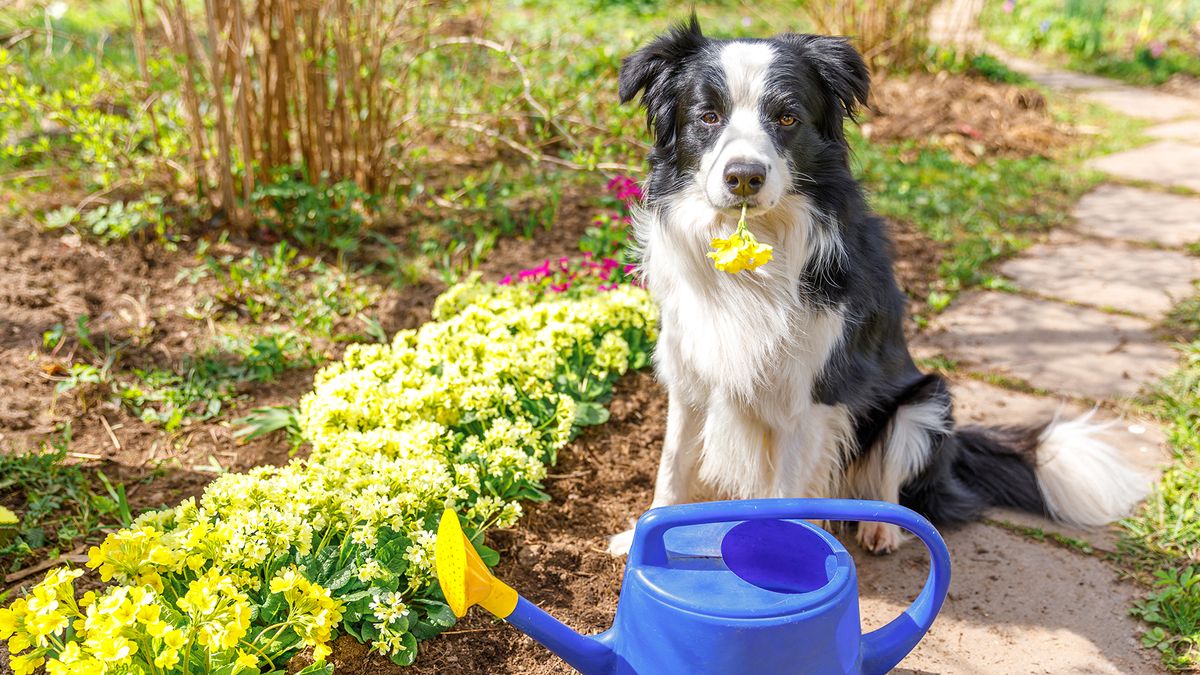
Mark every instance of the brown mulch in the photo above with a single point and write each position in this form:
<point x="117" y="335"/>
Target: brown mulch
<point x="971" y="117"/>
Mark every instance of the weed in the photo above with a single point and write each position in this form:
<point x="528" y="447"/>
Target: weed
<point x="313" y="215"/>
<point x="1163" y="538"/>
<point x="1173" y="609"/>
<point x="55" y="502"/>
<point x="268" y="420"/>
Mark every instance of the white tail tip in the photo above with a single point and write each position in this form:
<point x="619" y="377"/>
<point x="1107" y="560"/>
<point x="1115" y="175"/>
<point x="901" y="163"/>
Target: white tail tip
<point x="1084" y="480"/>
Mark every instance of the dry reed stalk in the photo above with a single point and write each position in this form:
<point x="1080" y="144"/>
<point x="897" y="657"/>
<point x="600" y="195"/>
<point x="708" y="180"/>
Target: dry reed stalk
<point x="276" y="84"/>
<point x="889" y="33"/>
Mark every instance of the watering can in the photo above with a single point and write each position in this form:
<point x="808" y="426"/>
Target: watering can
<point x="722" y="587"/>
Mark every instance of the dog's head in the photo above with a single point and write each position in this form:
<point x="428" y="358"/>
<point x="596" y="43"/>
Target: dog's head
<point x="745" y="120"/>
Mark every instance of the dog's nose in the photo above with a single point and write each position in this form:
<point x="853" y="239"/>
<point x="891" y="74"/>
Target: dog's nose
<point x="745" y="178"/>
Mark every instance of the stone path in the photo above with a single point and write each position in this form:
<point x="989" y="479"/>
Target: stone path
<point x="1079" y="330"/>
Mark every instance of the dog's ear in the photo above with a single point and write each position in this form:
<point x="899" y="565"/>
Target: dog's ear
<point x="841" y="70"/>
<point x="649" y="71"/>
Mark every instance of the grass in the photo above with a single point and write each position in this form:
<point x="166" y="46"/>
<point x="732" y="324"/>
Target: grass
<point x="1161" y="544"/>
<point x="56" y="503"/>
<point x="1142" y="42"/>
<point x="988" y="211"/>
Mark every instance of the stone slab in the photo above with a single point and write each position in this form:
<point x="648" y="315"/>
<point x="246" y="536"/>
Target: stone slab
<point x="1186" y="130"/>
<point x="1145" y="103"/>
<point x="1142" y="281"/>
<point x="1015" y="606"/>
<point x="1169" y="163"/>
<point x="1057" y="347"/>
<point x="1134" y="214"/>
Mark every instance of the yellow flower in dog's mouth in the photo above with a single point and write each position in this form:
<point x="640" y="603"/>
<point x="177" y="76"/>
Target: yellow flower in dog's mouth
<point x="740" y="251"/>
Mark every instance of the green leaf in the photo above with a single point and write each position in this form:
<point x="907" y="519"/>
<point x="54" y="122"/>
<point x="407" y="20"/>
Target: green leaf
<point x="440" y="614"/>
<point x="489" y="556"/>
<point x="318" y="668"/>
<point x="406" y="656"/>
<point x="391" y="555"/>
<point x="340" y="578"/>
<point x="588" y="413"/>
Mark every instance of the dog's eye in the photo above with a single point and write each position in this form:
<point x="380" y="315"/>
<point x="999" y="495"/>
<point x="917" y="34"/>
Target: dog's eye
<point x="787" y="120"/>
<point x="710" y="118"/>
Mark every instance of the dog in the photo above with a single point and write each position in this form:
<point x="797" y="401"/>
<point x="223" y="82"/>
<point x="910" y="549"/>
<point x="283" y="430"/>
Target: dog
<point x="795" y="379"/>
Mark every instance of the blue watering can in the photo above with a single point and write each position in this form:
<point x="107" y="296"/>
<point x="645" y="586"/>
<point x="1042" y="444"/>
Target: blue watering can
<point x="722" y="587"/>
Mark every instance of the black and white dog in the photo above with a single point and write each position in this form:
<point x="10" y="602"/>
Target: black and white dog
<point x="795" y="379"/>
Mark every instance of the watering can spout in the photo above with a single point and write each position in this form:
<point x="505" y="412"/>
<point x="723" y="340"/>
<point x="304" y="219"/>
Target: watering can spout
<point x="465" y="581"/>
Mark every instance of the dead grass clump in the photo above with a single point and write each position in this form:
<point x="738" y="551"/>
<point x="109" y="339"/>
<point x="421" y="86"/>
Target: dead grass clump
<point x="971" y="117"/>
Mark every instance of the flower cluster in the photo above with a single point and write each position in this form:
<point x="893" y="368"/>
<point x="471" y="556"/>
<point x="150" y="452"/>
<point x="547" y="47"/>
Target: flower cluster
<point x="740" y="251"/>
<point x="564" y="274"/>
<point x="467" y="411"/>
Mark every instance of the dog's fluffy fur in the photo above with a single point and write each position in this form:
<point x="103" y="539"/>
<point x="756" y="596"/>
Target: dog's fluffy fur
<point x="795" y="380"/>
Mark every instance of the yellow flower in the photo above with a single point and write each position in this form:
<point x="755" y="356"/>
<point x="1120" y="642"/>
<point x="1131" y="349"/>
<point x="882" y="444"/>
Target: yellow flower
<point x="111" y="648"/>
<point x="174" y="638"/>
<point x="244" y="660"/>
<point x="8" y="623"/>
<point x="25" y="664"/>
<point x="740" y="251"/>
<point x="167" y="659"/>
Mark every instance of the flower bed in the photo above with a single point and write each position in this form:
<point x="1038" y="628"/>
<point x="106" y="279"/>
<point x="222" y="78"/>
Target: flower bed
<point x="466" y="412"/>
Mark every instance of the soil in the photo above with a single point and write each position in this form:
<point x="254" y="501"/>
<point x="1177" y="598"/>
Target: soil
<point x="970" y="116"/>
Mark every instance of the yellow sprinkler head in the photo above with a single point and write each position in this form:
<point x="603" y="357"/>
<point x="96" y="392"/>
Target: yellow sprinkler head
<point x="464" y="579"/>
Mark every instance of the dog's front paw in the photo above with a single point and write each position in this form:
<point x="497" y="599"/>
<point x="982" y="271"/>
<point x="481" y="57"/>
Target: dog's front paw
<point x="619" y="544"/>
<point x="879" y="538"/>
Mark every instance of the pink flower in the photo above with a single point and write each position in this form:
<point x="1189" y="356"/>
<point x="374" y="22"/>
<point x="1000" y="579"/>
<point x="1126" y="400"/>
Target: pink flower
<point x="559" y="288"/>
<point x="506" y="280"/>
<point x="1157" y="49"/>
<point x="1009" y="6"/>
<point x="625" y="189"/>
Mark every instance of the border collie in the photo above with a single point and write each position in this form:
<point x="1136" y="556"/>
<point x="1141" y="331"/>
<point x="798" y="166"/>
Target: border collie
<point x="795" y="379"/>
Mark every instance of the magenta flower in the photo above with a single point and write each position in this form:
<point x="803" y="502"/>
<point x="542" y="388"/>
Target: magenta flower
<point x="1157" y="49"/>
<point x="626" y="189"/>
<point x="506" y="280"/>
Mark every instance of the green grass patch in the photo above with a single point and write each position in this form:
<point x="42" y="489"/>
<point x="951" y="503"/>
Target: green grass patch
<point x="1143" y="42"/>
<point x="1160" y="545"/>
<point x="55" y="504"/>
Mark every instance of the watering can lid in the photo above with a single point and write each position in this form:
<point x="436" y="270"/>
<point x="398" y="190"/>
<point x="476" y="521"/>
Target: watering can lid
<point x="751" y="570"/>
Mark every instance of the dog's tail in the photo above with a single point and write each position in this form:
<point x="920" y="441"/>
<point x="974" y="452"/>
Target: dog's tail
<point x="1060" y="469"/>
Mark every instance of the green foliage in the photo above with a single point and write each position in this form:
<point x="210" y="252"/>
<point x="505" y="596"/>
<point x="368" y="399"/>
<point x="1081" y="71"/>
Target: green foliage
<point x="312" y="213"/>
<point x="115" y="221"/>
<point x="982" y="64"/>
<point x="97" y="126"/>
<point x="1164" y="536"/>
<point x="268" y="420"/>
<point x="282" y="286"/>
<point x="202" y="387"/>
<point x="55" y="502"/>
<point x="1173" y="609"/>
<point x="1140" y="42"/>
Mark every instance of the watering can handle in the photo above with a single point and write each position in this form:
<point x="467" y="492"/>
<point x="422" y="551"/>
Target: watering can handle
<point x="882" y="649"/>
